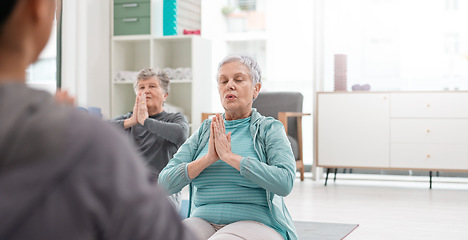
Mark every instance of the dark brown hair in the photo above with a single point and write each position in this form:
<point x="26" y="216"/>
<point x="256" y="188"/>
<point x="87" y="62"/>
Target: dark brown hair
<point x="6" y="8"/>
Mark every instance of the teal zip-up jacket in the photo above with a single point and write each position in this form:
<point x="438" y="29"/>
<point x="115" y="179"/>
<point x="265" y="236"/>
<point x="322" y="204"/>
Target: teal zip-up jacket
<point x="276" y="176"/>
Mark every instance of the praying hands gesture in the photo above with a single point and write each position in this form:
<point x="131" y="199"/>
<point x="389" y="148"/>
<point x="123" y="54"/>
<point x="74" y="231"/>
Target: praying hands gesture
<point x="140" y="111"/>
<point x="222" y="141"/>
<point x="219" y="147"/>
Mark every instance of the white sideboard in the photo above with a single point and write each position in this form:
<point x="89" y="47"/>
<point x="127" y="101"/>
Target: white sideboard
<point x="393" y="130"/>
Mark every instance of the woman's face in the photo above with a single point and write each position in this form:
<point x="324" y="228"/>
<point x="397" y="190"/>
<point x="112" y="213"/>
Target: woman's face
<point x="155" y="95"/>
<point x="236" y="90"/>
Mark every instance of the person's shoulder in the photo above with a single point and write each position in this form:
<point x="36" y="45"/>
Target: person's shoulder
<point x="91" y="128"/>
<point x="176" y="115"/>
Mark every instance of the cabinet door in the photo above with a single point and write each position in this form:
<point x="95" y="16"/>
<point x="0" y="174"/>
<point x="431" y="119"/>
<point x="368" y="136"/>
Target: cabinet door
<point x="353" y="129"/>
<point x="429" y="156"/>
<point x="430" y="105"/>
<point x="437" y="131"/>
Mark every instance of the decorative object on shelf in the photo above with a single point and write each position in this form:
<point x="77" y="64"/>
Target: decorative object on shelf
<point x="364" y="87"/>
<point x="179" y="73"/>
<point x="227" y="10"/>
<point x="189" y="15"/>
<point x="194" y="32"/>
<point x="170" y="17"/>
<point x="125" y="76"/>
<point x="340" y="72"/>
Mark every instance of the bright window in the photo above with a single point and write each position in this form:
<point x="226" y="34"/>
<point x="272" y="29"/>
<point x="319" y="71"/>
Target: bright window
<point x="43" y="73"/>
<point x="398" y="45"/>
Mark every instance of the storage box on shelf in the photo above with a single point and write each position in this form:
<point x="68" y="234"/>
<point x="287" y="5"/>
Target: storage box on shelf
<point x="132" y="17"/>
<point x="155" y="17"/>
<point x="393" y="130"/>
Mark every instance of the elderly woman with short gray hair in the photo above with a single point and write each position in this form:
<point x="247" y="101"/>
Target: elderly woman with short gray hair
<point x="239" y="165"/>
<point x="157" y="133"/>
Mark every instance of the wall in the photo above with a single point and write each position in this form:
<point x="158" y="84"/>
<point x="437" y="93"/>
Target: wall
<point x="86" y="52"/>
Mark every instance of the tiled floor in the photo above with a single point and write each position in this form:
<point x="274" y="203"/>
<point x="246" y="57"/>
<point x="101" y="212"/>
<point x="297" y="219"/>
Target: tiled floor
<point x="389" y="208"/>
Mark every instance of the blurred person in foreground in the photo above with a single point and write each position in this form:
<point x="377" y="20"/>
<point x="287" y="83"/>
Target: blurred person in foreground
<point x="156" y="133"/>
<point x="239" y="165"/>
<point x="63" y="174"/>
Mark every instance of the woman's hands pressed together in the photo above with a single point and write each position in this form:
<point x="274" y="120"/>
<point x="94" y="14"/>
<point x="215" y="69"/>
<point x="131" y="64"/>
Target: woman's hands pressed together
<point x="219" y="147"/>
<point x="140" y="111"/>
<point x="222" y="142"/>
<point x="142" y="114"/>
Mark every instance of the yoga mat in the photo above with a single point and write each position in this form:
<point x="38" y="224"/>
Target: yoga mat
<point x="323" y="230"/>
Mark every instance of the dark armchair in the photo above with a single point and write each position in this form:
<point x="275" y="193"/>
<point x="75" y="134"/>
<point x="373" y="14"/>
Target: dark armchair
<point x="283" y="106"/>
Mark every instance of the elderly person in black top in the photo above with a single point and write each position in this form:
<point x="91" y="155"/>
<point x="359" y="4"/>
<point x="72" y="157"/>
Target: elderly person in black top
<point x="157" y="133"/>
<point x="64" y="174"/>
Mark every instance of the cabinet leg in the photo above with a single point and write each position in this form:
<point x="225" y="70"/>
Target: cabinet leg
<point x="326" y="177"/>
<point x="430" y="179"/>
<point x="336" y="171"/>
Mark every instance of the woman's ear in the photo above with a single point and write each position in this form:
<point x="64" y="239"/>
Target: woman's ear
<point x="257" y="88"/>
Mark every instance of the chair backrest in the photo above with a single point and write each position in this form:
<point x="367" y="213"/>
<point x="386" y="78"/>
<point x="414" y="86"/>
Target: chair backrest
<point x="270" y="103"/>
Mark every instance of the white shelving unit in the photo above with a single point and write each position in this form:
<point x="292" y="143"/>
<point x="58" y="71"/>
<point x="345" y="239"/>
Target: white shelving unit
<point x="135" y="52"/>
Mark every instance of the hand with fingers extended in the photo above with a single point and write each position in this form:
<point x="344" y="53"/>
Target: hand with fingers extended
<point x="212" y="155"/>
<point x="222" y="141"/>
<point x="132" y="121"/>
<point x="62" y="96"/>
<point x="142" y="108"/>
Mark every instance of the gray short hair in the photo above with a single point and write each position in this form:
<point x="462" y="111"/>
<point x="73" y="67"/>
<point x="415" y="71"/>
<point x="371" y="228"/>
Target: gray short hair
<point x="250" y="63"/>
<point x="147" y="73"/>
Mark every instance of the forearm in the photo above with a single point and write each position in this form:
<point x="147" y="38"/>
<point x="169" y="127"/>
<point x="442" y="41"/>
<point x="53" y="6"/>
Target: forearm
<point x="174" y="177"/>
<point x="130" y="122"/>
<point x="276" y="179"/>
<point x="120" y="120"/>
<point x="232" y="159"/>
<point x="196" y="167"/>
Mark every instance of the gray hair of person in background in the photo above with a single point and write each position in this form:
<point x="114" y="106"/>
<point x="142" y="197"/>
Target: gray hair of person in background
<point x="250" y="63"/>
<point x="147" y="73"/>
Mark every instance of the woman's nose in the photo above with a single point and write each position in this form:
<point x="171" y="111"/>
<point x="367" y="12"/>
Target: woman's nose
<point x="230" y="84"/>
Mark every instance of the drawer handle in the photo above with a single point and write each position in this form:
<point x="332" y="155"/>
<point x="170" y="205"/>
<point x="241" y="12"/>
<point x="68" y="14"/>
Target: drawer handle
<point x="130" y="20"/>
<point x="129" y="5"/>
<point x="428" y="130"/>
<point x="428" y="156"/>
<point x="428" y="105"/>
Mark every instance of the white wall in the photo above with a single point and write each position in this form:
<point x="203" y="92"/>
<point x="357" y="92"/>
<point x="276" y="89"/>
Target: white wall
<point x="86" y="52"/>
